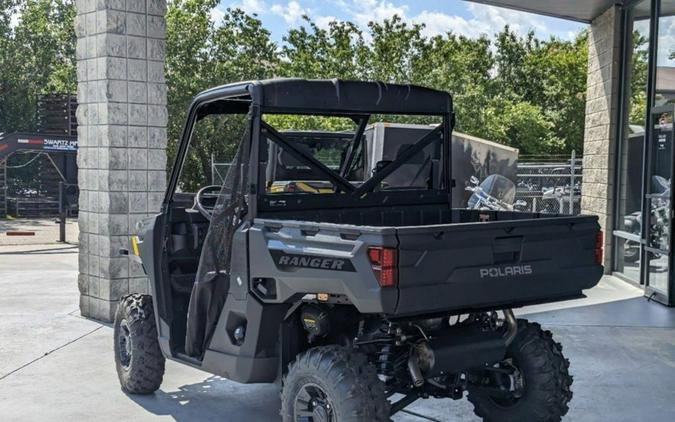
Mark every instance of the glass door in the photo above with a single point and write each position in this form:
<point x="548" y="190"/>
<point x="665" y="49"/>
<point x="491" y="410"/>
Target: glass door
<point x="631" y="148"/>
<point x="658" y="239"/>
<point x="658" y="182"/>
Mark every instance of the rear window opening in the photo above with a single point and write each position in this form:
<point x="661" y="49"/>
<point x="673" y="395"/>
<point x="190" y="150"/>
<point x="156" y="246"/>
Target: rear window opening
<point x="317" y="154"/>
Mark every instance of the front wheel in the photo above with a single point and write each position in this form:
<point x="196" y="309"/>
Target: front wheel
<point x="138" y="359"/>
<point x="531" y="384"/>
<point x="333" y="384"/>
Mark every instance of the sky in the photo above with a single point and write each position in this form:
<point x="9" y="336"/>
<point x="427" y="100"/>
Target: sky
<point x="440" y="16"/>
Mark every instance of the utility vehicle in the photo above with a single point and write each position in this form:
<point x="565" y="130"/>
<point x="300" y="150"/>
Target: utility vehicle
<point x="361" y="298"/>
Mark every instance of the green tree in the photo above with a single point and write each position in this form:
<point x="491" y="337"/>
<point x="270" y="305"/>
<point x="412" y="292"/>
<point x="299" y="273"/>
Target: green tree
<point x="518" y="90"/>
<point x="202" y="54"/>
<point x="544" y="80"/>
<point x="397" y="51"/>
<point x="638" y="79"/>
<point x="36" y="57"/>
<point x="312" y="52"/>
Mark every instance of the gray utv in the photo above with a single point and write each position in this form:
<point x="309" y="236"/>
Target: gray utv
<point x="363" y="291"/>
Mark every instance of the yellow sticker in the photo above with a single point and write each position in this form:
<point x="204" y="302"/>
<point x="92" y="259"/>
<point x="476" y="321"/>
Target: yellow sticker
<point x="134" y="245"/>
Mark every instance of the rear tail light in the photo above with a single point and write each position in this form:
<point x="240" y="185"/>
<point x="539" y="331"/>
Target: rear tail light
<point x="599" y="244"/>
<point x="384" y="262"/>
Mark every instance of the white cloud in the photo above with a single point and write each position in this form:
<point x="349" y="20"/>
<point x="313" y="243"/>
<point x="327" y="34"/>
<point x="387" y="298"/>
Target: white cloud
<point x="291" y="13"/>
<point x="498" y="17"/>
<point x="484" y="20"/>
<point x="251" y="6"/>
<point x="666" y="43"/>
<point x="364" y="11"/>
<point x="323" y="22"/>
<point x="14" y="19"/>
<point x="437" y="23"/>
<point x="217" y="15"/>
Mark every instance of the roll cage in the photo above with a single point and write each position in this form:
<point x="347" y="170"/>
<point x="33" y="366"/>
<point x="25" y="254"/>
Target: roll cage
<point x="331" y="98"/>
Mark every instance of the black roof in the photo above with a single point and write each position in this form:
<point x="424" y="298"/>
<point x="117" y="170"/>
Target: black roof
<point x="334" y="96"/>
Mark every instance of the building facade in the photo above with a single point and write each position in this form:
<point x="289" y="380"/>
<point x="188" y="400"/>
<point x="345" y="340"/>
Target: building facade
<point x="628" y="151"/>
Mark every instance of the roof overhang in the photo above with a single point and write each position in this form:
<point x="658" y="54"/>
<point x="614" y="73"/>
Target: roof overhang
<point x="575" y="10"/>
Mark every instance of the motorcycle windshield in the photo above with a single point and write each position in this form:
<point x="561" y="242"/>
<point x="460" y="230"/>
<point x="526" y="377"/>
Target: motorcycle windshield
<point x="499" y="187"/>
<point x="660" y="185"/>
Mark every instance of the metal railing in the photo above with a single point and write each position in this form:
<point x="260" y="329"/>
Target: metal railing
<point x="68" y="206"/>
<point x="548" y="186"/>
<point x="218" y="171"/>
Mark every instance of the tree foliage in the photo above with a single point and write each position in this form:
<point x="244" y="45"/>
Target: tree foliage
<point x="202" y="54"/>
<point x="36" y="57"/>
<point x="517" y="90"/>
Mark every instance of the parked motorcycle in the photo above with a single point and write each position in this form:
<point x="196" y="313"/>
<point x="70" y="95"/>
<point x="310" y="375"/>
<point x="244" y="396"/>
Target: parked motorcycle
<point x="660" y="221"/>
<point x="555" y="198"/>
<point x="496" y="193"/>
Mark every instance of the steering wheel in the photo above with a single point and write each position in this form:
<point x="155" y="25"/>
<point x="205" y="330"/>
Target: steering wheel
<point x="205" y="200"/>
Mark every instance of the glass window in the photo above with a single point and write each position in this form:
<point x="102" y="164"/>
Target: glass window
<point x="632" y="144"/>
<point x="665" y="56"/>
<point x="661" y="144"/>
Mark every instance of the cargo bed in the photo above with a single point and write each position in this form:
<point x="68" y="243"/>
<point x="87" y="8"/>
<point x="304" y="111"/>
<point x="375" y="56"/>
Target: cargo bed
<point x="478" y="265"/>
<point x="448" y="260"/>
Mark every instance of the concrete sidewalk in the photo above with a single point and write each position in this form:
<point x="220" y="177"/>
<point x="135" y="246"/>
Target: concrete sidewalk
<point x="56" y="365"/>
<point x="45" y="231"/>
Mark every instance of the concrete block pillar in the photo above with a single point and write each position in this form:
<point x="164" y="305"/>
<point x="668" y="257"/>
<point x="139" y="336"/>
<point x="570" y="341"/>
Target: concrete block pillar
<point x="602" y="103"/>
<point x="122" y="119"/>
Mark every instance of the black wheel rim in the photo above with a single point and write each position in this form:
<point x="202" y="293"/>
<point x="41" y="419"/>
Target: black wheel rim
<point x="312" y="405"/>
<point x="124" y="343"/>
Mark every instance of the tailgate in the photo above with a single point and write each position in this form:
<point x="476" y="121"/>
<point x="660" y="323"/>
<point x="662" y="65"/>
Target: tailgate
<point x="496" y="264"/>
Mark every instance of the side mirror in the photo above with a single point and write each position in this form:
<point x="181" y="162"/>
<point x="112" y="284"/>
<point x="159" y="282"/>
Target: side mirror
<point x="474" y="180"/>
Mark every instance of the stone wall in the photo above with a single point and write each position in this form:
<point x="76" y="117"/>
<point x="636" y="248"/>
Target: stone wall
<point x="602" y="102"/>
<point x="122" y="121"/>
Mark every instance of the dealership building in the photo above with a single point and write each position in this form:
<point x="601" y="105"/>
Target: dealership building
<point x="628" y="154"/>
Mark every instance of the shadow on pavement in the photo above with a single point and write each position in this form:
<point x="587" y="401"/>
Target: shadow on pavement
<point x="215" y="398"/>
<point x="35" y="223"/>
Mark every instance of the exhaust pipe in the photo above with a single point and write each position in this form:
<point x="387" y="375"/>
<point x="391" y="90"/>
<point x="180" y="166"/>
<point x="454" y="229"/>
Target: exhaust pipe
<point x="462" y="350"/>
<point x="511" y="327"/>
<point x="414" y="369"/>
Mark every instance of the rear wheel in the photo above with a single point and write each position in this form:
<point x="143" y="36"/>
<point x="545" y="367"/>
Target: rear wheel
<point x="531" y="384"/>
<point x="138" y="359"/>
<point x="631" y="252"/>
<point x="333" y="384"/>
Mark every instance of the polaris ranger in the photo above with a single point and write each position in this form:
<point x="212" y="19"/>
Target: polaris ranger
<point x="361" y="298"/>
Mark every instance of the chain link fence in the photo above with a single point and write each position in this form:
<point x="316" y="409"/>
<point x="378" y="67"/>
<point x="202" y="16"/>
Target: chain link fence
<point x="218" y="171"/>
<point x="550" y="184"/>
